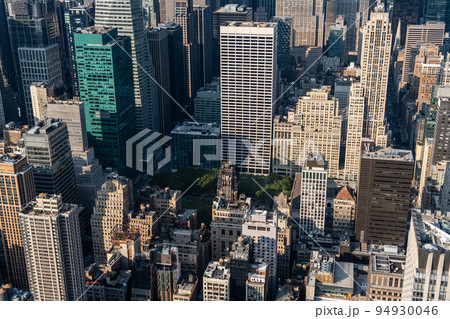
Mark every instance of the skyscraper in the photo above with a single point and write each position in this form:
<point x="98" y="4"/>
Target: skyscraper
<point x="355" y="122"/>
<point x="88" y="171"/>
<point x="16" y="179"/>
<point x="426" y="33"/>
<point x="426" y="267"/>
<point x="48" y="150"/>
<point x="247" y="96"/>
<point x="317" y="130"/>
<point x="184" y="16"/>
<point x="49" y="223"/>
<point x="114" y="198"/>
<point x="313" y="201"/>
<point x="356" y="14"/>
<point x="203" y="39"/>
<point x="176" y="69"/>
<point x="158" y="39"/>
<point x="108" y="99"/>
<point x="441" y="147"/>
<point x="284" y="44"/>
<point x="438" y="11"/>
<point x="36" y="65"/>
<point x="308" y="21"/>
<point x="383" y="196"/>
<point x="406" y="12"/>
<point x="375" y="58"/>
<point x="230" y="12"/>
<point x="127" y="17"/>
<point x="30" y="25"/>
<point x="76" y="18"/>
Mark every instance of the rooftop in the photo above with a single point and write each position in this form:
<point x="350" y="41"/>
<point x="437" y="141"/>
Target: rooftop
<point x="246" y="24"/>
<point x="202" y="129"/>
<point x="432" y="229"/>
<point x="388" y="264"/>
<point x="45" y="127"/>
<point x="390" y="154"/>
<point x="218" y="270"/>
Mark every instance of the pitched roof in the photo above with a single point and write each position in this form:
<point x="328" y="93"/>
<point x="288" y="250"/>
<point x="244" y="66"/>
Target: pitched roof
<point x="345" y="194"/>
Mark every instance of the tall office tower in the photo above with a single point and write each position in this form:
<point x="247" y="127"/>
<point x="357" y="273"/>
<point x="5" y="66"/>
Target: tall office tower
<point x="38" y="65"/>
<point x="406" y="12"/>
<point x="247" y="106"/>
<point x="313" y="201"/>
<point x="31" y="25"/>
<point x="308" y="21"/>
<point x="230" y="12"/>
<point x="355" y="122"/>
<point x="203" y="39"/>
<point x="344" y="209"/>
<point x="383" y="196"/>
<point x="376" y="54"/>
<point x="262" y="227"/>
<point x="184" y="16"/>
<point x="356" y="14"/>
<point x="284" y="44"/>
<point x="207" y="103"/>
<point x="5" y="44"/>
<point x="335" y="41"/>
<point x="101" y="51"/>
<point x="88" y="171"/>
<point x="226" y="224"/>
<point x="240" y="259"/>
<point x="16" y="178"/>
<point x="317" y="129"/>
<point x="55" y="273"/>
<point x="167" y="271"/>
<point x="127" y="17"/>
<point x="114" y="198"/>
<point x="438" y="11"/>
<point x="427" y="258"/>
<point x="76" y="19"/>
<point x="426" y="33"/>
<point x="228" y="183"/>
<point x="330" y="18"/>
<point x="445" y="190"/>
<point x="441" y="147"/>
<point x="158" y="39"/>
<point x="48" y="150"/>
<point x="426" y="71"/>
<point x="152" y="9"/>
<point x="216" y="281"/>
<point x="176" y="68"/>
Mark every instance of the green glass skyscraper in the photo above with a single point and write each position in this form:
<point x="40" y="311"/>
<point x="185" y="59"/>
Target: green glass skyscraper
<point x="105" y="78"/>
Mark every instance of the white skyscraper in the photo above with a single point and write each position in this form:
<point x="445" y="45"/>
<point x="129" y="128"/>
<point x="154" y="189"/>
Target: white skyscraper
<point x="376" y="54"/>
<point x="127" y="17"/>
<point x="248" y="63"/>
<point x="313" y="200"/>
<point x="52" y="245"/>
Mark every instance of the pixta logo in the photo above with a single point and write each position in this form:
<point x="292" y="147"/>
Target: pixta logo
<point x="148" y="152"/>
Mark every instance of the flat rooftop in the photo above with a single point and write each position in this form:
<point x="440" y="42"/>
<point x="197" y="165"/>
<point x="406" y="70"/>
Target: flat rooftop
<point x="388" y="264"/>
<point x="390" y="154"/>
<point x="218" y="270"/>
<point x="246" y="24"/>
<point x="432" y="229"/>
<point x="202" y="129"/>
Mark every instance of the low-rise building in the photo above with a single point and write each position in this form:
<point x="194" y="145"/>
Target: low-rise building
<point x="216" y="281"/>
